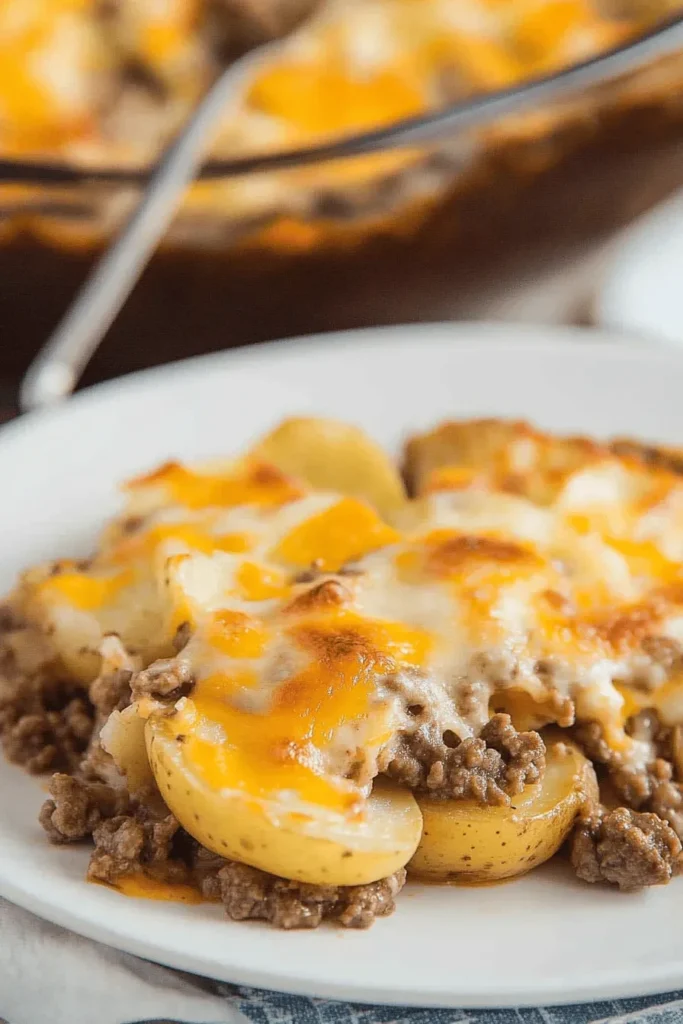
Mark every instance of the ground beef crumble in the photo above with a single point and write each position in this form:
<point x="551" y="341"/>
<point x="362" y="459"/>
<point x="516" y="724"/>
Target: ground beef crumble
<point x="626" y="848"/>
<point x="45" y="721"/>
<point x="250" y="894"/>
<point x="653" y="788"/>
<point x="166" y="680"/>
<point x="48" y="723"/>
<point x="110" y="691"/>
<point x="137" y="842"/>
<point x="134" y="838"/>
<point x="76" y="807"/>
<point x="491" y="768"/>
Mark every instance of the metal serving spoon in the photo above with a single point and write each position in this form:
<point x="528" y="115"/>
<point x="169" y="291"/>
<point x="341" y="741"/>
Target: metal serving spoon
<point x="55" y="371"/>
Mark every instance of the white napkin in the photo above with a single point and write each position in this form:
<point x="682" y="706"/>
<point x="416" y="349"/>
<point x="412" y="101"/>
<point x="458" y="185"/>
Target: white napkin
<point x="51" y="976"/>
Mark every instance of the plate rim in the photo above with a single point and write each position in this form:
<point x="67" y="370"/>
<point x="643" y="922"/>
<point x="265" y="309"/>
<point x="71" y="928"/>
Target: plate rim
<point x="659" y="981"/>
<point x="562" y="337"/>
<point x="466" y="336"/>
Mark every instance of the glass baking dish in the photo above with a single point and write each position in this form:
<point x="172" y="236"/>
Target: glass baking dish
<point x="372" y="228"/>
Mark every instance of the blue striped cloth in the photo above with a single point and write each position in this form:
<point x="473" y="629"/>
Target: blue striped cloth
<point x="262" y="1007"/>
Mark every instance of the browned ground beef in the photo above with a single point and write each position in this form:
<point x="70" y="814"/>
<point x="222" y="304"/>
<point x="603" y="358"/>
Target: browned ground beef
<point x="589" y="736"/>
<point x="250" y="894"/>
<point x="491" y="768"/>
<point x="129" y="839"/>
<point x="165" y="680"/>
<point x="77" y="807"/>
<point x="45" y="720"/>
<point x="654" y="788"/>
<point x="110" y="692"/>
<point x="629" y="849"/>
<point x="138" y="842"/>
<point x="41" y="735"/>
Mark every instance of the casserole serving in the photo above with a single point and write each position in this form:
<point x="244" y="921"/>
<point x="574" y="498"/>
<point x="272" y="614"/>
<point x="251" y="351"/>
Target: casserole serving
<point x="281" y="681"/>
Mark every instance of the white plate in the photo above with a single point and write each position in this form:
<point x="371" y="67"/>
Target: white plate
<point x="544" y="939"/>
<point x="642" y="291"/>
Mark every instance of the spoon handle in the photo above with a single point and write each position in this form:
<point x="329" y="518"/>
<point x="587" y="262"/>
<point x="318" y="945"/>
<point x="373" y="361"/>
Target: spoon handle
<point x="55" y="371"/>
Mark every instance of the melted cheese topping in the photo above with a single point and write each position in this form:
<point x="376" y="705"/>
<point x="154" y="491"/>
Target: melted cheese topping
<point x="541" y="582"/>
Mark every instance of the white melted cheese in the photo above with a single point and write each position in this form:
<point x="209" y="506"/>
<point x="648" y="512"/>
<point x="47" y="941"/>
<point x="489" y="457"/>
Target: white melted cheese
<point x="484" y="594"/>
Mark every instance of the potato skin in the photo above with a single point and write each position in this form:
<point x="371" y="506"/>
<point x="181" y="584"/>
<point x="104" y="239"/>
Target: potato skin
<point x="463" y="841"/>
<point x="266" y="836"/>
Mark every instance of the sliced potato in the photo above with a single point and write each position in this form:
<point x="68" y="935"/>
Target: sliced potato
<point x="123" y="736"/>
<point x="292" y="845"/>
<point x="465" y="841"/>
<point x="334" y="456"/>
<point x="463" y="444"/>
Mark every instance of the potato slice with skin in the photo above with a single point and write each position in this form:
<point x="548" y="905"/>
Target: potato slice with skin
<point x="463" y="841"/>
<point x="333" y="456"/>
<point x="269" y="837"/>
<point x="123" y="737"/>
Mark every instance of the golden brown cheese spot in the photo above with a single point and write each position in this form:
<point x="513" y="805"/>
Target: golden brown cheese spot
<point x="346" y="531"/>
<point x="558" y="603"/>
<point x="624" y="629"/>
<point x="260" y="485"/>
<point x="318" y="700"/>
<point x="349" y="636"/>
<point x="615" y="631"/>
<point x="331" y="641"/>
<point x="285" y="747"/>
<point x="85" y="592"/>
<point x="260" y="582"/>
<point x="326" y="595"/>
<point x="450" y="554"/>
<point x="478" y="567"/>
<point x="237" y="635"/>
